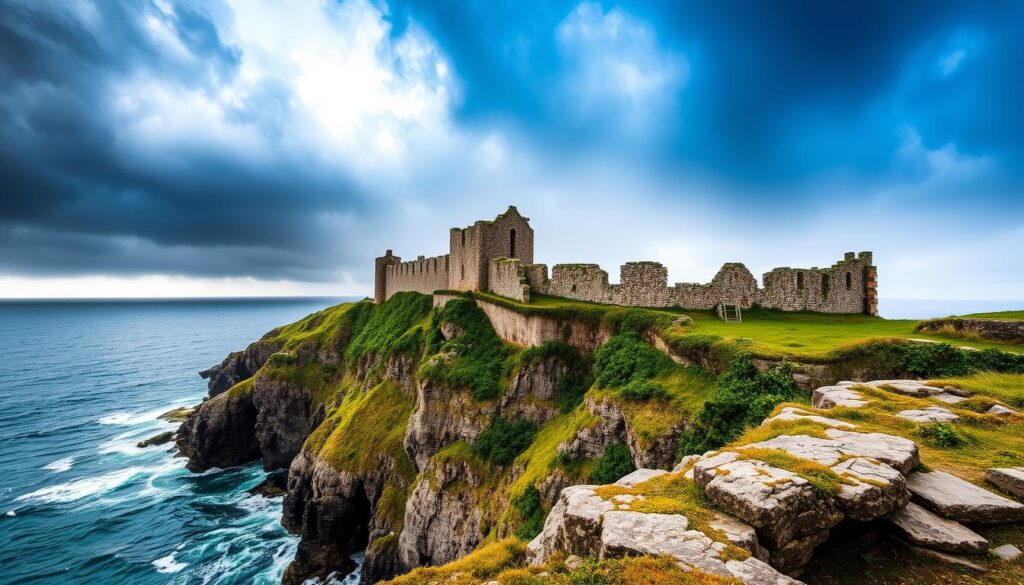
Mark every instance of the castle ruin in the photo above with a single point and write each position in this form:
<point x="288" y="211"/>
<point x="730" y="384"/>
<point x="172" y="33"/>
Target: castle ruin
<point x="497" y="256"/>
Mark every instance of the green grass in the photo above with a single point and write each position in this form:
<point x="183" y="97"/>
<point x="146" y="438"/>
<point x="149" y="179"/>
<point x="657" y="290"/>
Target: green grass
<point x="815" y="335"/>
<point x="1000" y="315"/>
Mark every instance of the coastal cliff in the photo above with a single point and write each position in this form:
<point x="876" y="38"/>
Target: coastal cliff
<point x="423" y="429"/>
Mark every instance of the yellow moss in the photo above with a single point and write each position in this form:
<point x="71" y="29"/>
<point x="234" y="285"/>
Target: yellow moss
<point x="240" y="389"/>
<point x="818" y="475"/>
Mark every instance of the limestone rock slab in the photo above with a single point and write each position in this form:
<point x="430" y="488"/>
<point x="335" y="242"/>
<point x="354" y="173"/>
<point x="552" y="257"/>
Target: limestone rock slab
<point x="1009" y="479"/>
<point x="791" y="413"/>
<point x="639" y="476"/>
<point x="1007" y="552"/>
<point x="923" y="528"/>
<point x="1000" y="410"/>
<point x="954" y="498"/>
<point x="930" y="414"/>
<point x="834" y="396"/>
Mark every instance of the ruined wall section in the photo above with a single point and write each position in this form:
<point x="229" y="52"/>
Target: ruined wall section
<point x="507" y="278"/>
<point x="423" y="275"/>
<point x="472" y="248"/>
<point x="848" y="286"/>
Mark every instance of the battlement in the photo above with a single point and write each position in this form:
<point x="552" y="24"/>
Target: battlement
<point x="497" y="256"/>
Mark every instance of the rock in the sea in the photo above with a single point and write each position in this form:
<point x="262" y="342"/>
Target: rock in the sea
<point x="954" y="498"/>
<point x="929" y="414"/>
<point x="275" y="484"/>
<point x="158" y="439"/>
<point x="1009" y="479"/>
<point x="221" y="432"/>
<point x="923" y="528"/>
<point x="178" y="415"/>
<point x="1007" y="552"/>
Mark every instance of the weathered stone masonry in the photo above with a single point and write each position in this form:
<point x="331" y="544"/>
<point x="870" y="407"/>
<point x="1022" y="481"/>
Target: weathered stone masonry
<point x="497" y="256"/>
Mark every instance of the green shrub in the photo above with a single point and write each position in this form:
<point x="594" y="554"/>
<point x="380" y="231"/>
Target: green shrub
<point x="281" y="359"/>
<point x="504" y="440"/>
<point x="480" y="354"/>
<point x="532" y="512"/>
<point x="642" y="390"/>
<point x="626" y="357"/>
<point x="943" y="435"/>
<point x="614" y="463"/>
<point x="745" y="396"/>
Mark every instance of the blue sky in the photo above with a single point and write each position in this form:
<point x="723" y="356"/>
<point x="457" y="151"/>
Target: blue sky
<point x="186" y="148"/>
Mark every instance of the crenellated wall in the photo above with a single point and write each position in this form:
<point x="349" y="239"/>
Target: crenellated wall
<point x="846" y="287"/>
<point x="423" y="275"/>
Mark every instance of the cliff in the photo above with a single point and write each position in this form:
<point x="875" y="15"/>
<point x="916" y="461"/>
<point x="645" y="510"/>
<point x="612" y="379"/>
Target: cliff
<point x="423" y="429"/>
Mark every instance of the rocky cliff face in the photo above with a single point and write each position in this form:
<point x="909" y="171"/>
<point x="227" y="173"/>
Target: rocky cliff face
<point x="239" y="365"/>
<point x="222" y="432"/>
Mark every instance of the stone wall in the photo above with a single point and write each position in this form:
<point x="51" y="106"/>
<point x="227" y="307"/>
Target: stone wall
<point x="472" y="248"/>
<point x="846" y="287"/>
<point x="996" y="329"/>
<point x="497" y="256"/>
<point x="534" y="330"/>
<point x="506" y="278"/>
<point x="424" y="275"/>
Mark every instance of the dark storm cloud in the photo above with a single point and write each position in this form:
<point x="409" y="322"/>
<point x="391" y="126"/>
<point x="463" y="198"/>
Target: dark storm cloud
<point x="776" y="90"/>
<point x="74" y="201"/>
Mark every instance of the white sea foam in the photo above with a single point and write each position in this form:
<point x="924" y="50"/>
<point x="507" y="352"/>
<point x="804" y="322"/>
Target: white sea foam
<point x="76" y="490"/>
<point x="60" y="465"/>
<point x="134" y="418"/>
<point x="11" y="513"/>
<point x="168" y="564"/>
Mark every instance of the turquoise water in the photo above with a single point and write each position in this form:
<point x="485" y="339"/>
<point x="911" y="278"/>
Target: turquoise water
<point x="80" y="384"/>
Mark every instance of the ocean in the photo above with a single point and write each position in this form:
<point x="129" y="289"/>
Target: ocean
<point x="80" y="384"/>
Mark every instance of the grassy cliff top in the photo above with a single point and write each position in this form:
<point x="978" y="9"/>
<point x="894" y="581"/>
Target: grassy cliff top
<point x="997" y="315"/>
<point x="767" y="333"/>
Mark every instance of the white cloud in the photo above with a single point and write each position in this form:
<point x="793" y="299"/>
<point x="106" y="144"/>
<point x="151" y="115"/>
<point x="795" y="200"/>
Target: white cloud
<point x="619" y="68"/>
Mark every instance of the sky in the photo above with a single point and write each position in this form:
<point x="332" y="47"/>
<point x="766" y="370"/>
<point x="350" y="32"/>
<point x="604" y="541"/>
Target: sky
<point x="250" y="148"/>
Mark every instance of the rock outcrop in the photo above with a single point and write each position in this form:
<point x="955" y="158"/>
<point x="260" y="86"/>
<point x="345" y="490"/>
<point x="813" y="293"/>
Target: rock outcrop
<point x="221" y="433"/>
<point x="240" y="365"/>
<point x="585" y="524"/>
<point x="923" y="528"/>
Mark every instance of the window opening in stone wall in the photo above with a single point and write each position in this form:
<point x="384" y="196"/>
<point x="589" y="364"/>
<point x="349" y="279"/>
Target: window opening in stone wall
<point x="463" y="237"/>
<point x="849" y="281"/>
<point x="824" y="286"/>
<point x="512" y="243"/>
<point x="462" y="271"/>
<point x="799" y="280"/>
<point x="573" y="289"/>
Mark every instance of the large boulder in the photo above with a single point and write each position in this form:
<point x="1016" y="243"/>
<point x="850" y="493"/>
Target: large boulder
<point x="835" y="396"/>
<point x="585" y="524"/>
<point x="221" y="432"/>
<point x="954" y="498"/>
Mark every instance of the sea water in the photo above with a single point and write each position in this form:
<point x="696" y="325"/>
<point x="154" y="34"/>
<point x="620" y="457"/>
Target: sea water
<point x="80" y="384"/>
